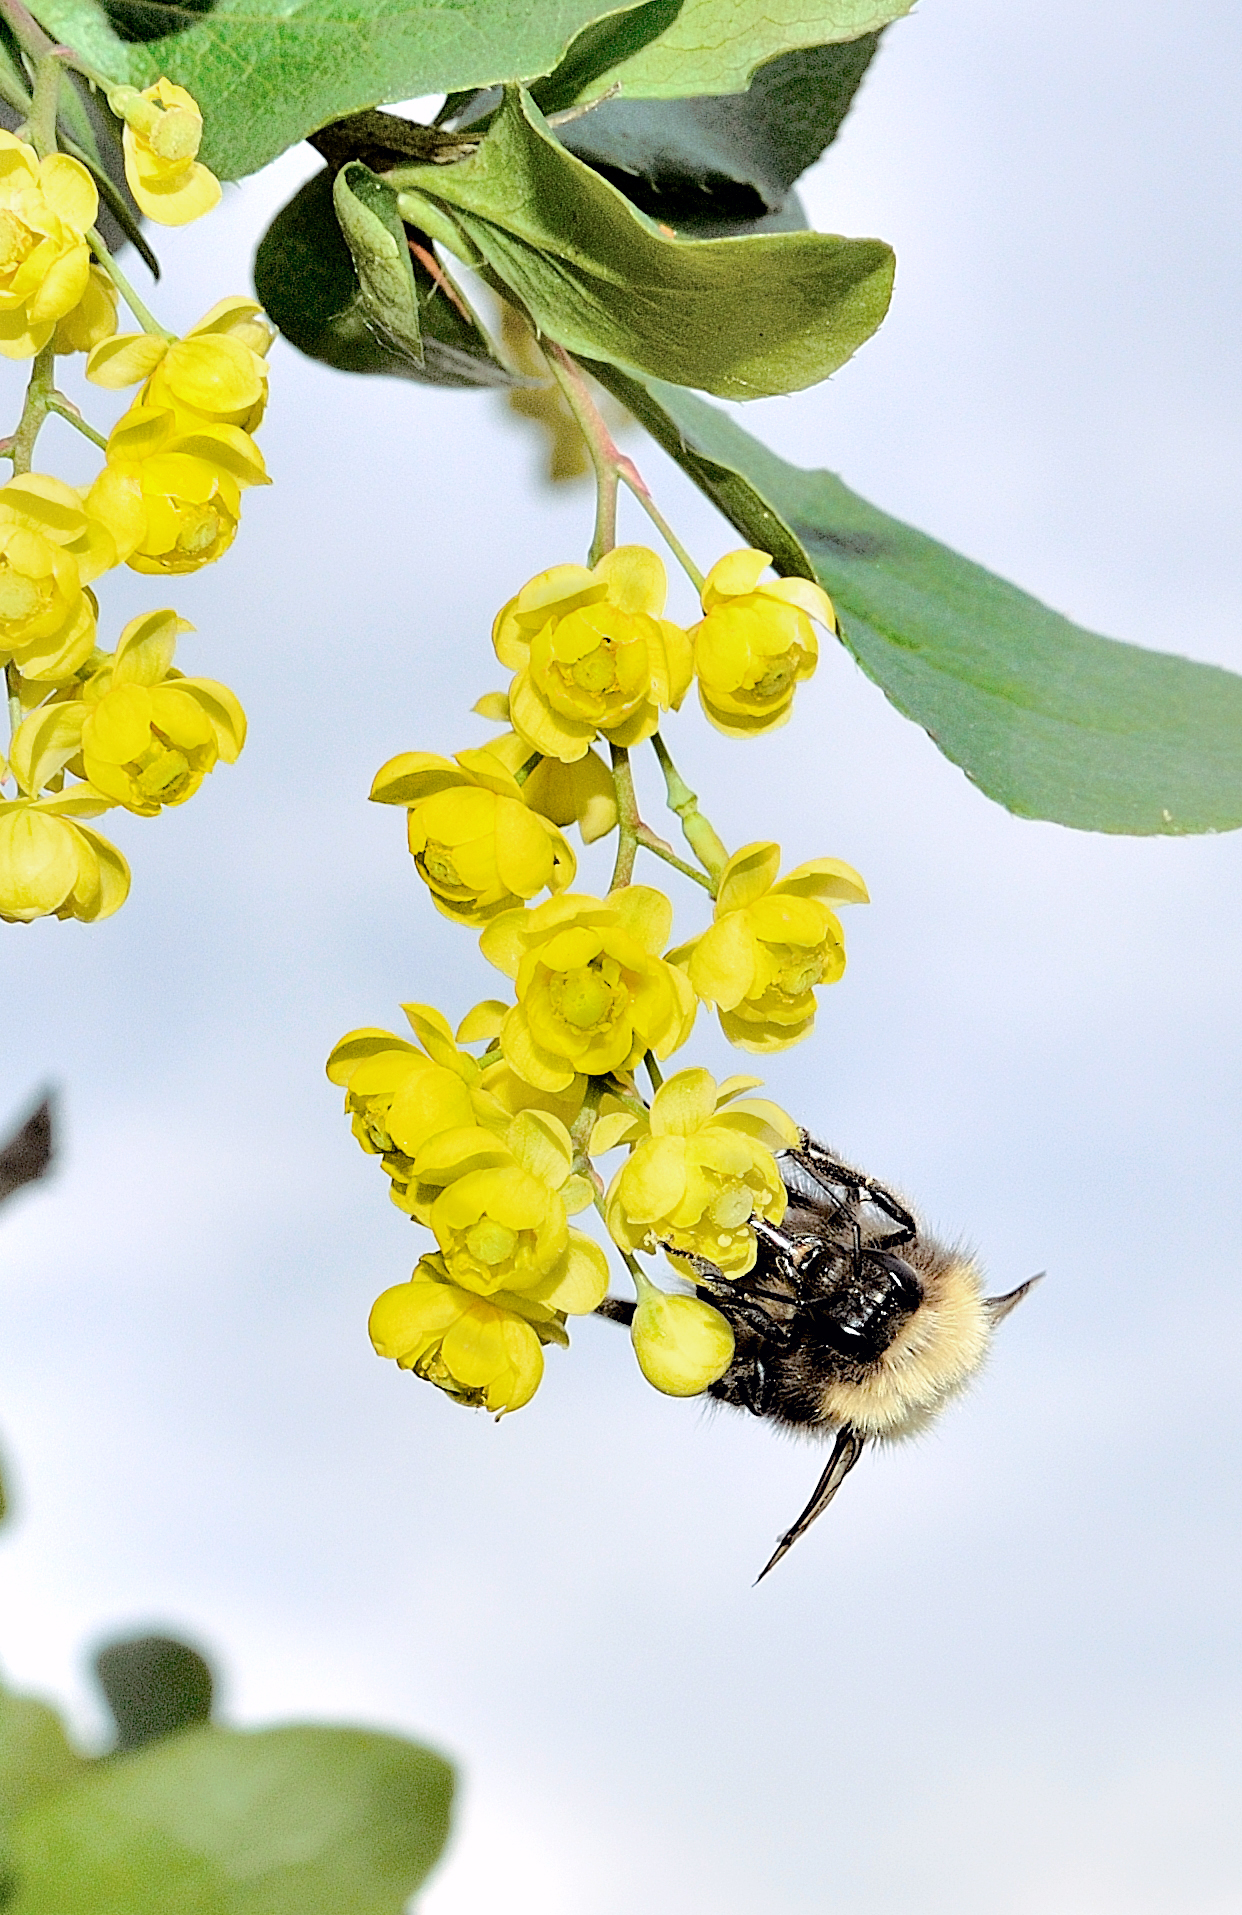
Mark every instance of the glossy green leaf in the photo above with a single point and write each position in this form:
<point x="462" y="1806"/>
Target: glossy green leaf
<point x="294" y="1821"/>
<point x="730" y="157"/>
<point x="304" y="275"/>
<point x="670" y="49"/>
<point x="268" y="72"/>
<point x="1048" y="719"/>
<point x="737" y="317"/>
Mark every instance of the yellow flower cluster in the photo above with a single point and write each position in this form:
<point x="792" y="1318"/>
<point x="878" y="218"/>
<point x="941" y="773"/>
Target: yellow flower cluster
<point x="93" y="730"/>
<point x="492" y="1152"/>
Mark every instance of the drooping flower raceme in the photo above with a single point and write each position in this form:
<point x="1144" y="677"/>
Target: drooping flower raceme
<point x="476" y="843"/>
<point x="756" y="643"/>
<point x="771" y="944"/>
<point x="701" y="1168"/>
<point x="593" y="993"/>
<point x="162" y="134"/>
<point x="592" y="654"/>
<point x="46" y="209"/>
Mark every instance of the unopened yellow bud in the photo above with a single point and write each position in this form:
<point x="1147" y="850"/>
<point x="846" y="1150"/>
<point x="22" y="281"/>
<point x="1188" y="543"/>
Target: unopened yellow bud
<point x="682" y="1344"/>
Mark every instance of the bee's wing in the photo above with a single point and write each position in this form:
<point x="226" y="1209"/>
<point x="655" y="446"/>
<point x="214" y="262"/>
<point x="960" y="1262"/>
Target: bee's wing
<point x="845" y="1453"/>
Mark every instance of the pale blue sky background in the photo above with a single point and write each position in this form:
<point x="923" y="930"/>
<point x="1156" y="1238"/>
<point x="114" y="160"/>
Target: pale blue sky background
<point x="1002" y="1677"/>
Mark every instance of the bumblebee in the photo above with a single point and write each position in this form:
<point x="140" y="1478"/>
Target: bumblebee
<point x="854" y="1323"/>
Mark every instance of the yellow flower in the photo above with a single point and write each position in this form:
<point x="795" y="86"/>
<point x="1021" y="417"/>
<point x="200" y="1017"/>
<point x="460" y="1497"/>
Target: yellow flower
<point x="593" y="994"/>
<point x="484" y="1352"/>
<point x="771" y="944"/>
<point x="701" y="1168"/>
<point x="92" y="320"/>
<point x="216" y="375"/>
<point x="581" y="793"/>
<point x="190" y="479"/>
<point x="682" y="1344"/>
<point x="52" y="866"/>
<point x="46" y="209"/>
<point x="53" y="541"/>
<point x="592" y="654"/>
<point x="755" y="643"/>
<point x="162" y="135"/>
<point x="475" y="842"/>
<point x="141" y="734"/>
<point x="400" y="1095"/>
<point x="501" y="1216"/>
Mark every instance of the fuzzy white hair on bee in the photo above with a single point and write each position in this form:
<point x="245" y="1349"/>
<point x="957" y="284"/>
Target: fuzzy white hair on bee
<point x="854" y="1323"/>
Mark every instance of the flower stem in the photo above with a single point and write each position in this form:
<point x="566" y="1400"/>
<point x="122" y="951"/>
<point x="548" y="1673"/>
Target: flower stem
<point x="628" y="820"/>
<point x="41" y="126"/>
<point x="612" y="467"/>
<point x="146" y="320"/>
<point x="653" y="1070"/>
<point x="27" y="32"/>
<point x="633" y="478"/>
<point x="524" y="770"/>
<point x="65" y="409"/>
<point x="20" y="447"/>
<point x="599" y="443"/>
<point x="12" y="681"/>
<point x="698" y="830"/>
<point x="651" y="841"/>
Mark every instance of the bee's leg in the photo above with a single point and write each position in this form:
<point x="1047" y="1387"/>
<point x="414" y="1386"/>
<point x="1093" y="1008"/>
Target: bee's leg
<point x="827" y="1171"/>
<point x="845" y="1453"/>
<point x="617" y="1309"/>
<point x="747" y="1384"/>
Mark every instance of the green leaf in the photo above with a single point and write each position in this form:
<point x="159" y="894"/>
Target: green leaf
<point x="670" y="49"/>
<point x="155" y="1686"/>
<point x="1048" y="719"/>
<point x="738" y="317"/>
<point x="268" y="72"/>
<point x="304" y="275"/>
<point x="375" y="234"/>
<point x="293" y="1821"/>
<point x="730" y="157"/>
<point x="36" y="1756"/>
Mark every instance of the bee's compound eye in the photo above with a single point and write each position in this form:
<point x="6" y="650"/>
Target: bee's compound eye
<point x="860" y="1315"/>
<point x="903" y="1277"/>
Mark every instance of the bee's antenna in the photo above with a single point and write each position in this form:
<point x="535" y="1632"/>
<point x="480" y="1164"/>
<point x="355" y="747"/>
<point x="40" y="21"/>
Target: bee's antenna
<point x="845" y="1453"/>
<point x="998" y="1308"/>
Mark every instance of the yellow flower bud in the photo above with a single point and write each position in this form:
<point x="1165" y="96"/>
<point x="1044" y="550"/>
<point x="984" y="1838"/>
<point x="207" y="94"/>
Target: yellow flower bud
<point x="756" y="643"/>
<point x="54" y="866"/>
<point x="700" y="1170"/>
<point x="592" y="655"/>
<point x="92" y="320"/>
<point x="771" y="945"/>
<point x="162" y="134"/>
<point x="593" y="995"/>
<point x="46" y="209"/>
<point x="216" y="375"/>
<point x="476" y="843"/>
<point x="682" y="1344"/>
